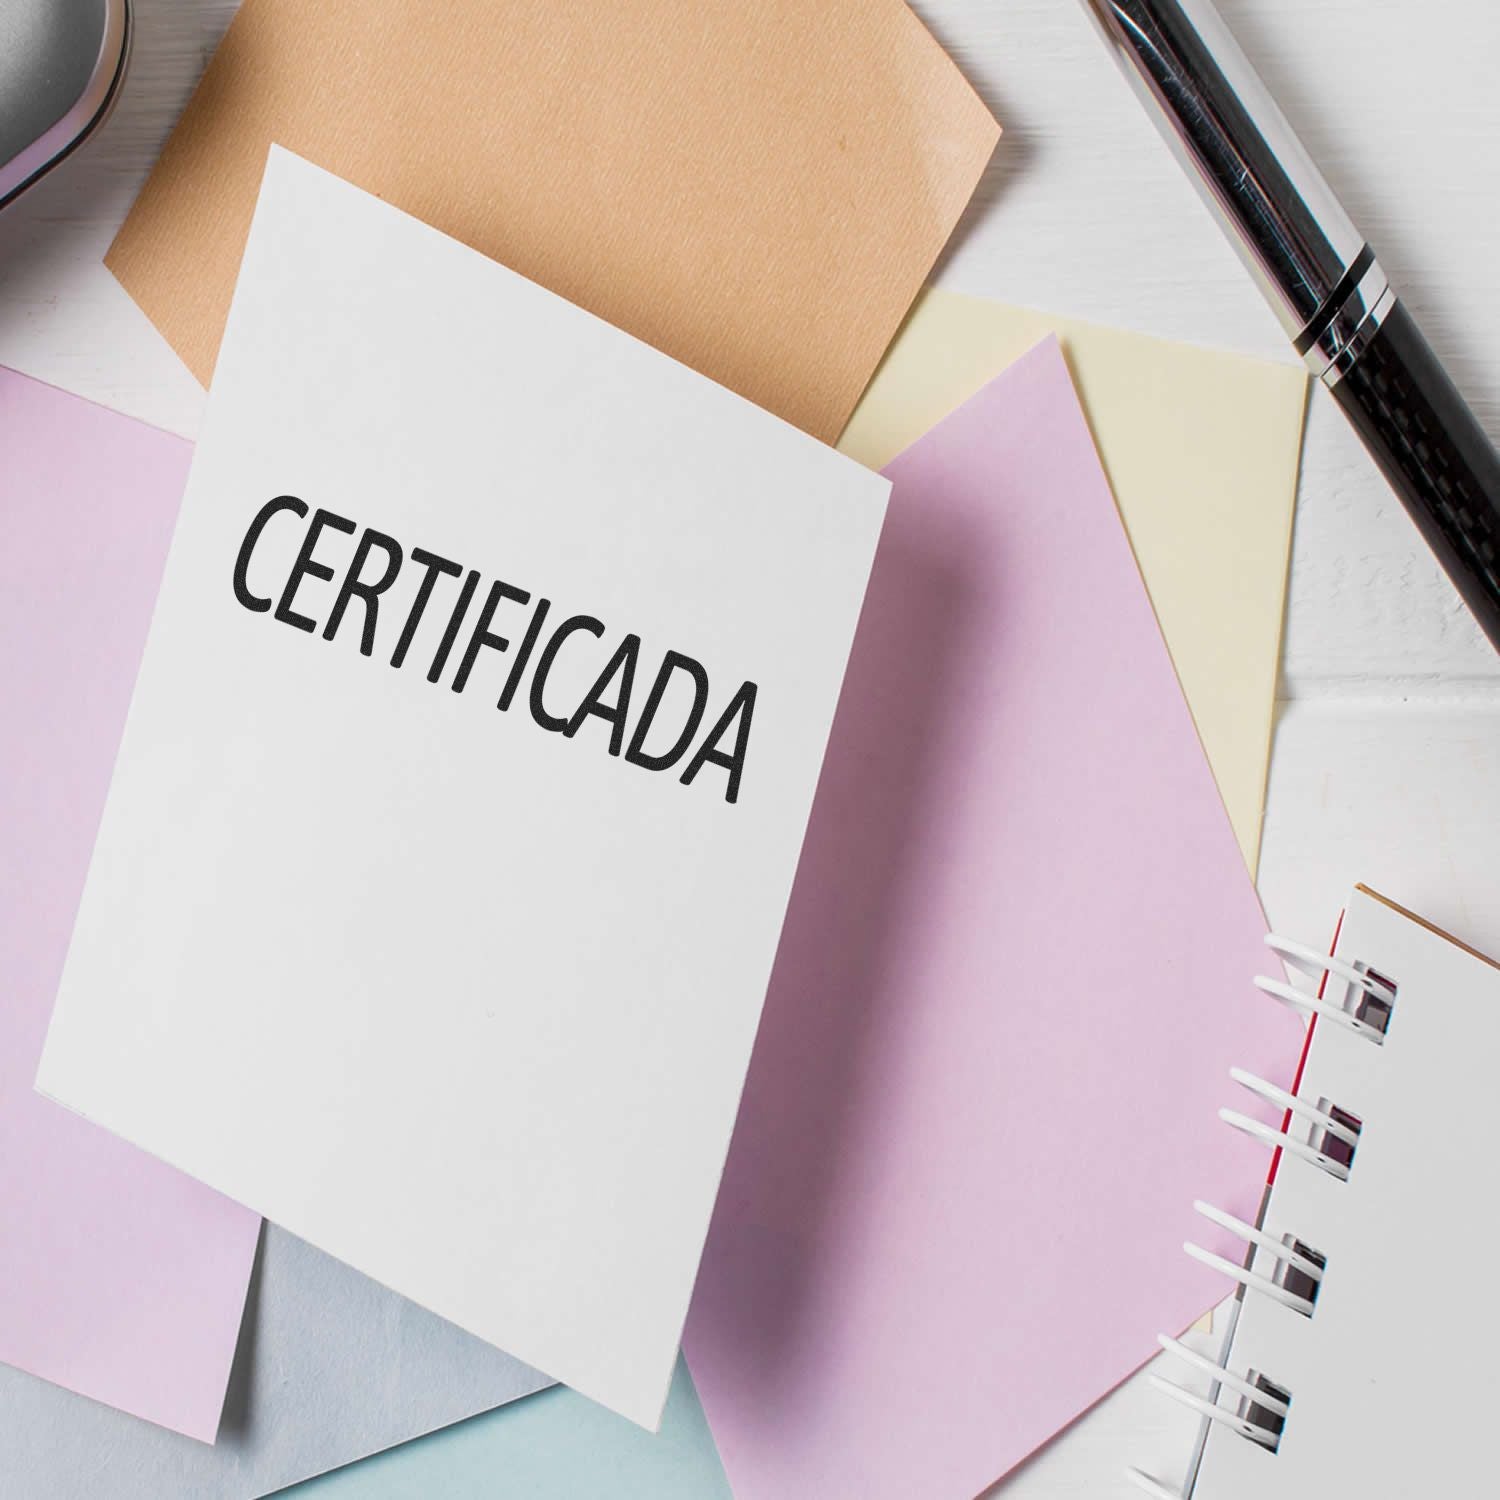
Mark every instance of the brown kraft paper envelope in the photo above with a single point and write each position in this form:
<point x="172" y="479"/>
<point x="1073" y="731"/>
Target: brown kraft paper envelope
<point x="756" y="187"/>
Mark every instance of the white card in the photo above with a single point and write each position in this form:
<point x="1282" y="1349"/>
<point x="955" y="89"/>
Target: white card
<point x="464" y="996"/>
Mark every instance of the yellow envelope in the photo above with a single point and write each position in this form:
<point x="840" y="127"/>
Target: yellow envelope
<point x="757" y="188"/>
<point x="1201" y="449"/>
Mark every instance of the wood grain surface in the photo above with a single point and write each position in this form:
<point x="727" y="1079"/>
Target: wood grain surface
<point x="1387" y="758"/>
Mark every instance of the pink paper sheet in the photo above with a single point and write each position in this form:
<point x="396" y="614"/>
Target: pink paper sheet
<point x="1015" y="973"/>
<point x="119" y="1277"/>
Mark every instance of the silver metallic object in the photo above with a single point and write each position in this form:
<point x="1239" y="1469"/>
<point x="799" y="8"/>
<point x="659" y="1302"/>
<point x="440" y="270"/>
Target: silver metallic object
<point x="1310" y="262"/>
<point x="1321" y="278"/>
<point x="61" y="66"/>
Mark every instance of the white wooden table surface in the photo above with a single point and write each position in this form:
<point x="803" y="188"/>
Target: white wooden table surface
<point x="1387" y="756"/>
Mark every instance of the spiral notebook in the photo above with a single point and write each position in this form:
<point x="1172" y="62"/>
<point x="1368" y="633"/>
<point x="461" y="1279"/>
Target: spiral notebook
<point x="1337" y="1374"/>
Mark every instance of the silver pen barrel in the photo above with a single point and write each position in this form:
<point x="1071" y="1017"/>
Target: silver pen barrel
<point x="1310" y="262"/>
<point x="1321" y="278"/>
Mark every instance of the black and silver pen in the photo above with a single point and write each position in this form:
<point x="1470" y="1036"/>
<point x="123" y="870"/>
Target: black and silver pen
<point x="1321" y="278"/>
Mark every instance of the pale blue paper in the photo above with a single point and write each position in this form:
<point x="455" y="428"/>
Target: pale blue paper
<point x="552" y="1446"/>
<point x="330" y="1367"/>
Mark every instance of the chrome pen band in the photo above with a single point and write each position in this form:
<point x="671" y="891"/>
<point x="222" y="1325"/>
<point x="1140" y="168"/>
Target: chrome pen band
<point x="1223" y="125"/>
<point x="1343" y="330"/>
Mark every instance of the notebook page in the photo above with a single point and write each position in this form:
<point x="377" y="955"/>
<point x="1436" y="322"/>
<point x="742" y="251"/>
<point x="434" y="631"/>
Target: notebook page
<point x="1372" y="1412"/>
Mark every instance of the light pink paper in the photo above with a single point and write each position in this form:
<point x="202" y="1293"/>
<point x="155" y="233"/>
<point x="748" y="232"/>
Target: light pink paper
<point x="119" y="1277"/>
<point x="1015" y="973"/>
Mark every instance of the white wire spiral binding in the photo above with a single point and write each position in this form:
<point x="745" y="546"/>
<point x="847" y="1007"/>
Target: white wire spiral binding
<point x="1326" y="1125"/>
<point x="1227" y="1378"/>
<point x="1253" y="1236"/>
<point x="1252" y="1281"/>
<point x="1272" y="1137"/>
<point x="1315" y="1005"/>
<point x="1214" y="1412"/>
<point x="1153" y="1487"/>
<point x="1310" y="962"/>
<point x="1315" y="965"/>
<point x="1283" y="1100"/>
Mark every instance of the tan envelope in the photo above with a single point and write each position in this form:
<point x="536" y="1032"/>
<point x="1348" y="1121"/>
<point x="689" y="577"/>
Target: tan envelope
<point x="757" y="187"/>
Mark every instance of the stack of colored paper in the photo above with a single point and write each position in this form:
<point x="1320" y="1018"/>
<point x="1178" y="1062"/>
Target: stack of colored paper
<point x="455" y="893"/>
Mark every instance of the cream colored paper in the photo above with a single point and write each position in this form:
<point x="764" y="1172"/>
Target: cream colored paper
<point x="758" y="189"/>
<point x="1201" y="448"/>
